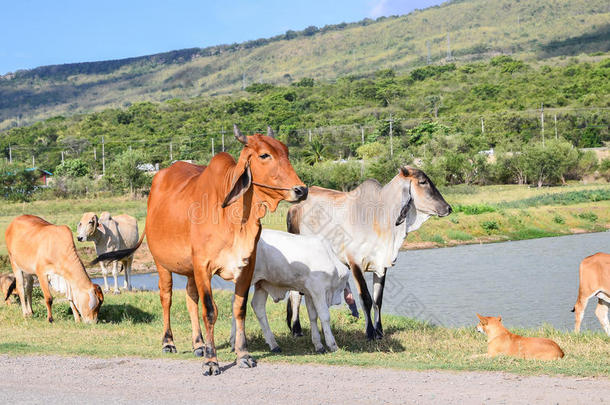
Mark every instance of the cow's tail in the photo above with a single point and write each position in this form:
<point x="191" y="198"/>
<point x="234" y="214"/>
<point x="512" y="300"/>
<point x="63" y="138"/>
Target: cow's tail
<point x="289" y="313"/>
<point x="10" y="289"/>
<point x="293" y="219"/>
<point x="118" y="254"/>
<point x="573" y="309"/>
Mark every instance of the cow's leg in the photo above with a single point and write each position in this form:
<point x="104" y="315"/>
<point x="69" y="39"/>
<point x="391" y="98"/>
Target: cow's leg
<point x="242" y="285"/>
<point x="319" y="301"/>
<point x="259" y="305"/>
<point x="127" y="273"/>
<point x="29" y="285"/>
<point x="579" y="311"/>
<point x="115" y="275"/>
<point x="365" y="299"/>
<point x="602" y="314"/>
<point x="105" y="275"/>
<point x="378" y="285"/>
<point x="350" y="301"/>
<point x="20" y="285"/>
<point x="192" y="305"/>
<point x="165" y="293"/>
<point x="209" y="314"/>
<point x="313" y="325"/>
<point x="48" y="298"/>
<point x="75" y="312"/>
<point x="292" y="313"/>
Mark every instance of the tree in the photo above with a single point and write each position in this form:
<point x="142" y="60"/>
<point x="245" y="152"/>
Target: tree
<point x="17" y="183"/>
<point x="72" y="168"/>
<point x="124" y="172"/>
<point x="549" y="163"/>
<point x="315" y="152"/>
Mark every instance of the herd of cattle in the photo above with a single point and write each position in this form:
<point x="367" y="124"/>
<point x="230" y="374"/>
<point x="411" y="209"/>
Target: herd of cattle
<point x="203" y="221"/>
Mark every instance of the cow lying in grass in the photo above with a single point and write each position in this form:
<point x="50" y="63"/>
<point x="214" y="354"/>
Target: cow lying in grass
<point x="287" y="262"/>
<point x="37" y="247"/>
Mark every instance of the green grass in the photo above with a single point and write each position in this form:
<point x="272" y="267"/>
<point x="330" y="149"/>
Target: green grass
<point x="131" y="325"/>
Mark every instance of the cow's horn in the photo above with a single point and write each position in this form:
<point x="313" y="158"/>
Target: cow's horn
<point x="270" y="131"/>
<point x="239" y="136"/>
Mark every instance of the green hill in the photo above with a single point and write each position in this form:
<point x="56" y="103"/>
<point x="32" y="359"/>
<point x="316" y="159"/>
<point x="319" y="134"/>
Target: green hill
<point x="472" y="29"/>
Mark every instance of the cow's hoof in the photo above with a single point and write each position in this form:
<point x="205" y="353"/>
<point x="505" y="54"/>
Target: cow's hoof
<point x="297" y="333"/>
<point x="50" y="319"/>
<point x="115" y="292"/>
<point x="106" y="290"/>
<point x="246" y="362"/>
<point x="333" y="348"/>
<point x="198" y="352"/>
<point x="378" y="334"/>
<point x="211" y="368"/>
<point x="169" y="349"/>
<point x="321" y="350"/>
<point x="276" y="349"/>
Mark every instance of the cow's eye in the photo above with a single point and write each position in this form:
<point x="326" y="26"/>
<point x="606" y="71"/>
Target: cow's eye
<point x="91" y="221"/>
<point x="422" y="182"/>
<point x="265" y="156"/>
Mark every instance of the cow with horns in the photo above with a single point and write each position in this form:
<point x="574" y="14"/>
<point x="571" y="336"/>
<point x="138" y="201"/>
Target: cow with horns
<point x="203" y="221"/>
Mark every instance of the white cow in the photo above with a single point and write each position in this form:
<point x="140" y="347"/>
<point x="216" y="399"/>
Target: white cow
<point x="307" y="264"/>
<point x="110" y="234"/>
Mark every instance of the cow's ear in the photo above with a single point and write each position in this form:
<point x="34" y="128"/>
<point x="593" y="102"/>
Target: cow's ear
<point x="403" y="213"/>
<point x="405" y="171"/>
<point x="500" y="319"/>
<point x="239" y="186"/>
<point x="97" y="223"/>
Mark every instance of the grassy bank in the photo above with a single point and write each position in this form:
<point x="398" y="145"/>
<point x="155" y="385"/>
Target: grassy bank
<point x="131" y="325"/>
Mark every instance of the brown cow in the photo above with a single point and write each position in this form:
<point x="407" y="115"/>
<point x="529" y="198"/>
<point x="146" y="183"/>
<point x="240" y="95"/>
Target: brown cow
<point x="594" y="282"/>
<point x="205" y="221"/>
<point x="38" y="247"/>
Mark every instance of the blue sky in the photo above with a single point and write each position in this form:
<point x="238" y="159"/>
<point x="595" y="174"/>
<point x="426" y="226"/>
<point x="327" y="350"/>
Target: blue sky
<point x="43" y="32"/>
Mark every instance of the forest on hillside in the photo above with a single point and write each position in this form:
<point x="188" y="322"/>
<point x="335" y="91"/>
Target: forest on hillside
<point x="462" y="31"/>
<point x="445" y="118"/>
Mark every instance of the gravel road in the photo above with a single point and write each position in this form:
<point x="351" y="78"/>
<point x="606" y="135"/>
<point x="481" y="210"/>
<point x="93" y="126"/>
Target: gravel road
<point x="55" y="380"/>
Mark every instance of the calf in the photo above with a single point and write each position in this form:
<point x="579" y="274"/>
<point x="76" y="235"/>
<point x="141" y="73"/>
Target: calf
<point x="307" y="264"/>
<point x="110" y="234"/>
<point x="37" y="247"/>
<point x="594" y="282"/>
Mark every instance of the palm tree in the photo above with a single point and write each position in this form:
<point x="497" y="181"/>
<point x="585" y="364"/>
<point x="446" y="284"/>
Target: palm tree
<point x="314" y="152"/>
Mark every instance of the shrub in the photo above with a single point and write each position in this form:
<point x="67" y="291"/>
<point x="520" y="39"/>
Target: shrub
<point x="474" y="209"/>
<point x="490" y="226"/>
<point x="558" y="219"/>
<point x="72" y="168"/>
<point x="588" y="216"/>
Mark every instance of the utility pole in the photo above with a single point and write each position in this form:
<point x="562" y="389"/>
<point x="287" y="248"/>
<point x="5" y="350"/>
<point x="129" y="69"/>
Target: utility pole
<point x="555" y="126"/>
<point x="95" y="153"/>
<point x="429" y="59"/>
<point x="103" y="158"/>
<point x="542" y="122"/>
<point x="449" y="57"/>
<point x="362" y="134"/>
<point x="10" y="154"/>
<point x="310" y="136"/>
<point x="33" y="162"/>
<point x="223" y="138"/>
<point x="171" y="151"/>
<point x="62" y="157"/>
<point x="243" y="81"/>
<point x="482" y="126"/>
<point x="212" y="147"/>
<point x="391" y="120"/>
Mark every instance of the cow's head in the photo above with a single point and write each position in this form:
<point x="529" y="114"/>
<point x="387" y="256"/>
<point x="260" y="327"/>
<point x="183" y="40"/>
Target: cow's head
<point x="87" y="226"/>
<point x="88" y="302"/>
<point x="424" y="196"/>
<point x="264" y="164"/>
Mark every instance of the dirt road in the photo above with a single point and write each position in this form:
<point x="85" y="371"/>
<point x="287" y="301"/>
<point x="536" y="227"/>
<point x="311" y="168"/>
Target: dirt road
<point x="54" y="380"/>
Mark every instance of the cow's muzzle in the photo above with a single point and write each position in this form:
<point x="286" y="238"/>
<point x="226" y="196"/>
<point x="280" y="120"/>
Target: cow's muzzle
<point x="80" y="238"/>
<point x="448" y="210"/>
<point x="299" y="193"/>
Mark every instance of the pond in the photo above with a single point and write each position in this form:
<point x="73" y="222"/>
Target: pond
<point x="529" y="283"/>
